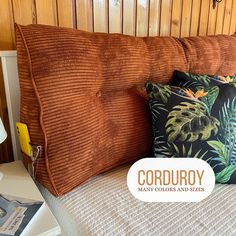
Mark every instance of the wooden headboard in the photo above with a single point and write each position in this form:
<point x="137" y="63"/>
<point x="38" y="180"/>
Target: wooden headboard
<point x="12" y="90"/>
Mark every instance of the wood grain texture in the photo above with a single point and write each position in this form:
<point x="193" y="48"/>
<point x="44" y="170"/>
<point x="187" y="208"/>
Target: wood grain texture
<point x="129" y="17"/>
<point x="220" y="18"/>
<point x="65" y="13"/>
<point x="100" y="15"/>
<point x="166" y="6"/>
<point x="24" y="11"/>
<point x="46" y="11"/>
<point x="142" y="17"/>
<point x="186" y="16"/>
<point x="179" y="18"/>
<point x="195" y="17"/>
<point x="154" y="17"/>
<point x="115" y="16"/>
<point x="176" y="18"/>
<point x="233" y="18"/>
<point x="227" y="16"/>
<point x="205" y="5"/>
<point x="133" y="17"/>
<point x="84" y="15"/>
<point x="6" y="26"/>
<point x="211" y="21"/>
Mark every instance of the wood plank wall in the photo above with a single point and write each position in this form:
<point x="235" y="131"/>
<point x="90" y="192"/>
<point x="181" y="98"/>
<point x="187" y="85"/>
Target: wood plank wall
<point x="179" y="18"/>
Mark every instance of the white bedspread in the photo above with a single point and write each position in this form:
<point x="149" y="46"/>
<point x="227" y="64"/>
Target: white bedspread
<point x="104" y="206"/>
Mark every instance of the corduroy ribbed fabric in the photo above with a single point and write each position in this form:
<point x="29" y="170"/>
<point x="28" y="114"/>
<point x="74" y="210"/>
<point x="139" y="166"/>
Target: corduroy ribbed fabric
<point x="78" y="94"/>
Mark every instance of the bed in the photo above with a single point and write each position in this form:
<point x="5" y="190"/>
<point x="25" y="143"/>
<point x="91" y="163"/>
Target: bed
<point x="104" y="206"/>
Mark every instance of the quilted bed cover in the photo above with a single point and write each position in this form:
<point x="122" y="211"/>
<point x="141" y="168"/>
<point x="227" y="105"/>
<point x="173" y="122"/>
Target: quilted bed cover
<point x="104" y="206"/>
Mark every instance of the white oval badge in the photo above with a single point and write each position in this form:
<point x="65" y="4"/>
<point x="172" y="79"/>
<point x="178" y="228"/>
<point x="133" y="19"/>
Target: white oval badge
<point x="171" y="179"/>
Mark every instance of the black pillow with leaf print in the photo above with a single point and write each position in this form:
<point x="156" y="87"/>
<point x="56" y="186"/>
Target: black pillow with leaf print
<point x="196" y="81"/>
<point x="199" y="123"/>
<point x="226" y="109"/>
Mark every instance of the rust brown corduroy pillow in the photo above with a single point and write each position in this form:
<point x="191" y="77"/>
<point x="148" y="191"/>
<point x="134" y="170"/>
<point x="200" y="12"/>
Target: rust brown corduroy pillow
<point x="78" y="94"/>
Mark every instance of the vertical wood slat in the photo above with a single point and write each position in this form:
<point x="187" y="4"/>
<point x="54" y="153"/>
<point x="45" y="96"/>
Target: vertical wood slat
<point x="204" y="17"/>
<point x="233" y="18"/>
<point x="6" y="26"/>
<point x="24" y="11"/>
<point x="115" y="16"/>
<point x="176" y="17"/>
<point x="65" y="13"/>
<point x="227" y="17"/>
<point x="220" y="17"/>
<point x="46" y="11"/>
<point x="186" y="16"/>
<point x="142" y="17"/>
<point x="196" y="5"/>
<point x="100" y="15"/>
<point x="166" y="6"/>
<point x="154" y="17"/>
<point x="129" y="17"/>
<point x="212" y="20"/>
<point x="84" y="15"/>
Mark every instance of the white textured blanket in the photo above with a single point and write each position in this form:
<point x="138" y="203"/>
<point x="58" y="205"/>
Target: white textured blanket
<point x="104" y="206"/>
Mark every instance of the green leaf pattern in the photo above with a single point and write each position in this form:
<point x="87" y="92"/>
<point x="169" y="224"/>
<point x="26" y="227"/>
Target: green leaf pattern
<point x="225" y="175"/>
<point x="191" y="120"/>
<point x="211" y="96"/>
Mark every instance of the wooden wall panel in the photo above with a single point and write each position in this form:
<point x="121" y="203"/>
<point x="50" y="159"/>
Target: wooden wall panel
<point x="154" y="17"/>
<point x="179" y="18"/>
<point x="166" y="6"/>
<point x="195" y="16"/>
<point x="6" y="25"/>
<point x="212" y="21"/>
<point x="204" y="15"/>
<point x="227" y="17"/>
<point x="129" y="17"/>
<point x="142" y="17"/>
<point x="176" y="18"/>
<point x="65" y="13"/>
<point x="185" y="19"/>
<point x="115" y="16"/>
<point x="24" y="11"/>
<point x="84" y="10"/>
<point x="46" y="11"/>
<point x="220" y="17"/>
<point x="100" y="15"/>
<point x="232" y="28"/>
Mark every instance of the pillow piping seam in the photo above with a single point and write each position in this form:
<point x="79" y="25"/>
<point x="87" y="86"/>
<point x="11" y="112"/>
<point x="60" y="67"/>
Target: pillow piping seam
<point x="40" y="106"/>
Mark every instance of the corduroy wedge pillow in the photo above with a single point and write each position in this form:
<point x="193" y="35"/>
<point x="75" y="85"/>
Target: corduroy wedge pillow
<point x="78" y="94"/>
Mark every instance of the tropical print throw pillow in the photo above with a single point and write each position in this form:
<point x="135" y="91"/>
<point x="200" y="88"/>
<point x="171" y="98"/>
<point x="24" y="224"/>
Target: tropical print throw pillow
<point x="196" y="121"/>
<point x="196" y="81"/>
